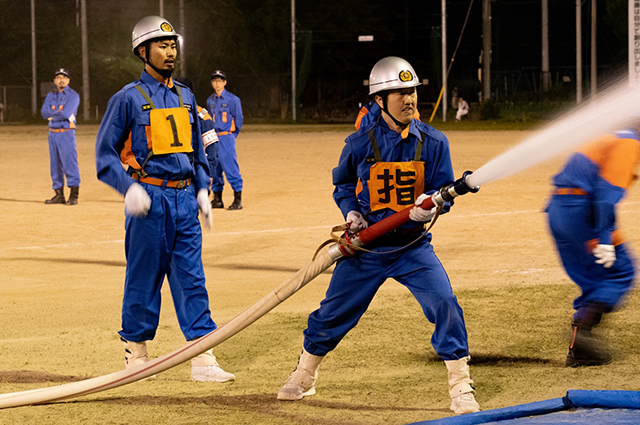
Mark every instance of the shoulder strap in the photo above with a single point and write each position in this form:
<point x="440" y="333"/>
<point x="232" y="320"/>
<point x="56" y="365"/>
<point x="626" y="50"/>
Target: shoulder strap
<point x="419" y="147"/>
<point x="141" y="171"/>
<point x="376" y="148"/>
<point x="179" y="91"/>
<point x="374" y="144"/>
<point x="146" y="96"/>
<point x="148" y="99"/>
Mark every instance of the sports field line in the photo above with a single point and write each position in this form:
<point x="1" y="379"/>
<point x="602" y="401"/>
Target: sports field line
<point x="279" y="230"/>
<point x="218" y="234"/>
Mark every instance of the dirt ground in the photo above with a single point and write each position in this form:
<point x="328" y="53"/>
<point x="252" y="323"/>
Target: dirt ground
<point x="62" y="267"/>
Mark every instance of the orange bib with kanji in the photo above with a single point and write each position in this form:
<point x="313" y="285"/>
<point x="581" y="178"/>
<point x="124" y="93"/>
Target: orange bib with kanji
<point x="395" y="185"/>
<point x="170" y="131"/>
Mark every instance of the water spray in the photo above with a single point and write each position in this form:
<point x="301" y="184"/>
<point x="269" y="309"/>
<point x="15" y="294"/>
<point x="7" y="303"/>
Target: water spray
<point x="611" y="111"/>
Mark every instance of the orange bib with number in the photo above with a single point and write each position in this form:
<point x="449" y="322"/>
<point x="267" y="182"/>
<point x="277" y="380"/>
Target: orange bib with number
<point x="170" y="131"/>
<point x="395" y="185"/>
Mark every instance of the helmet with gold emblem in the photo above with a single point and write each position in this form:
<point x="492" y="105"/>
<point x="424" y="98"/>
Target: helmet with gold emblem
<point x="151" y="28"/>
<point x="392" y="73"/>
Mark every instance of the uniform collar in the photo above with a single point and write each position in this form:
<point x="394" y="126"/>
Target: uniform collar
<point x="222" y="93"/>
<point x="153" y="84"/>
<point x="411" y="129"/>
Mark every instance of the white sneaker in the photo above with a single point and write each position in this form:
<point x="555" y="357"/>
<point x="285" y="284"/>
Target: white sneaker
<point x="211" y="373"/>
<point x="300" y="384"/>
<point x="464" y="403"/>
<point x="205" y="368"/>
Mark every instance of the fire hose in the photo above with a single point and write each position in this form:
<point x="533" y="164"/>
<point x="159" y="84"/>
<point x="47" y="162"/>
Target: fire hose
<point x="323" y="260"/>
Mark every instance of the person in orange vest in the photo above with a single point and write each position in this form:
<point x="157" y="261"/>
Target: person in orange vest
<point x="391" y="163"/>
<point x="594" y="253"/>
<point x="148" y="128"/>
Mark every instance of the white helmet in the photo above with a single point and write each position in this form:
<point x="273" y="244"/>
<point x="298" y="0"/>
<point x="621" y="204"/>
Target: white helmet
<point x="391" y="73"/>
<point x="151" y="27"/>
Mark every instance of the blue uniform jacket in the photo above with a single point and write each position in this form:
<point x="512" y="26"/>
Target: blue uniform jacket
<point x="122" y="137"/>
<point x="604" y="169"/>
<point x="61" y="107"/>
<point x="206" y="123"/>
<point x="226" y="111"/>
<point x="393" y="148"/>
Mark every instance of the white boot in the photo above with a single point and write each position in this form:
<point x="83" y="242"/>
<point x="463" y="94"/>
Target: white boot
<point x="460" y="389"/>
<point x="205" y="368"/>
<point x="302" y="381"/>
<point x="135" y="353"/>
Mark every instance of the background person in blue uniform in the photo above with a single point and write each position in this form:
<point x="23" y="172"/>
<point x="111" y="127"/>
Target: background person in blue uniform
<point x="387" y="166"/>
<point x="593" y="251"/>
<point x="209" y="136"/>
<point x="151" y="127"/>
<point x="60" y="109"/>
<point x="226" y="110"/>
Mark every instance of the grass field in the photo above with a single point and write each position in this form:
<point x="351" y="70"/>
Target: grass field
<point x="62" y="272"/>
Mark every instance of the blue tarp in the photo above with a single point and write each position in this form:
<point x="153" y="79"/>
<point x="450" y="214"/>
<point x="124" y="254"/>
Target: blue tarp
<point x="577" y="407"/>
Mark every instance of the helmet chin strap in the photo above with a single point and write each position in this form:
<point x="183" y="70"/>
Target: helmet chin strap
<point x="386" y="110"/>
<point x="166" y="73"/>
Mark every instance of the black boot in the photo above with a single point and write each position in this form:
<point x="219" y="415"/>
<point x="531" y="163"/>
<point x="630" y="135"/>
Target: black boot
<point x="237" y="201"/>
<point x="585" y="350"/>
<point x="73" y="196"/>
<point x="217" y="200"/>
<point x="58" y="198"/>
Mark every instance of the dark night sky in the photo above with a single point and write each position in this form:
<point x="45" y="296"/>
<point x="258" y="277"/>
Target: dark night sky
<point x="251" y="40"/>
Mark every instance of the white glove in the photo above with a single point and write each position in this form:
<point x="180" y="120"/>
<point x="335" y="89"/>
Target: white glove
<point x="605" y="254"/>
<point x="205" y="207"/>
<point x="356" y="221"/>
<point x="136" y="201"/>
<point x="419" y="214"/>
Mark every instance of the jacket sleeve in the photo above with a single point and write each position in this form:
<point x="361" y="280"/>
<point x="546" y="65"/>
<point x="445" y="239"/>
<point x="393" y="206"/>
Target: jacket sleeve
<point x="209" y="108"/>
<point x="615" y="175"/>
<point x="606" y="198"/>
<point x="439" y="170"/>
<point x="200" y="163"/>
<point x="114" y="130"/>
<point x="345" y="180"/>
<point x="46" y="110"/>
<point x="237" y="115"/>
<point x="438" y="167"/>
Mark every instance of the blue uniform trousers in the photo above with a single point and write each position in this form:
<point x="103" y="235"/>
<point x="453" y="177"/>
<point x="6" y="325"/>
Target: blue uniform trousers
<point x="571" y="221"/>
<point x="228" y="163"/>
<point x="167" y="242"/>
<point x="356" y="280"/>
<point x="213" y="160"/>
<point x="63" y="158"/>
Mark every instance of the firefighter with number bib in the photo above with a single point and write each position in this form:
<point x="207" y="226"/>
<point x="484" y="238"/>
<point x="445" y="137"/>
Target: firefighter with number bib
<point x="151" y="126"/>
<point x="391" y="163"/>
